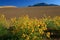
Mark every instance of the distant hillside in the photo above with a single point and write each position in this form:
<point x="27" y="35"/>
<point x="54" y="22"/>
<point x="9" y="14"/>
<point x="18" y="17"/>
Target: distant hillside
<point x="43" y="4"/>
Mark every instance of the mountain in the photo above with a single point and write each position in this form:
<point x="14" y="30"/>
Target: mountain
<point x="43" y="4"/>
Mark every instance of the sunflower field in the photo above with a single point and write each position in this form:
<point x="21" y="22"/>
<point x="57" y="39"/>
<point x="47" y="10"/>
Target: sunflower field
<point x="26" y="28"/>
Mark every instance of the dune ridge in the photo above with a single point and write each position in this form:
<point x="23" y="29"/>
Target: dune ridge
<point x="7" y="6"/>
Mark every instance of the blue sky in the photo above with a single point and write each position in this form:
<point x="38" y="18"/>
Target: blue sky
<point x="21" y="3"/>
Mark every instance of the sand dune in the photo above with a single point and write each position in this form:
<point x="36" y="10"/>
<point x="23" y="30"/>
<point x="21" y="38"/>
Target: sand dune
<point x="31" y="11"/>
<point x="7" y="6"/>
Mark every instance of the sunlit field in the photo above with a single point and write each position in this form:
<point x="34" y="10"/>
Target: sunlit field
<point x="26" y="28"/>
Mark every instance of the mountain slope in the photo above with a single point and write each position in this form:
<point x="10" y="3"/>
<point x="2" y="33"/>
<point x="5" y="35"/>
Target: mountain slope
<point x="43" y="4"/>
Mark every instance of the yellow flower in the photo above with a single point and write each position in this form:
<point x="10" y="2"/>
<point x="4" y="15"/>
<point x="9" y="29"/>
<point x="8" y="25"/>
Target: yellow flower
<point x="34" y="37"/>
<point x="41" y="31"/>
<point x="38" y="25"/>
<point x="27" y="38"/>
<point x="32" y="30"/>
<point x="23" y="35"/>
<point x="13" y="20"/>
<point x="44" y="28"/>
<point x="48" y="34"/>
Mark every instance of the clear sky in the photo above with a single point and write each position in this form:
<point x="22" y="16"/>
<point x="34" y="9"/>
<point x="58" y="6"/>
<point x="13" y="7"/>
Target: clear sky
<point x="20" y="3"/>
